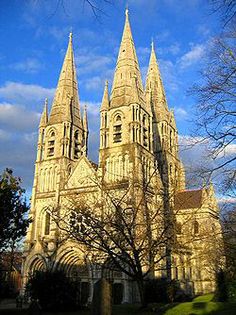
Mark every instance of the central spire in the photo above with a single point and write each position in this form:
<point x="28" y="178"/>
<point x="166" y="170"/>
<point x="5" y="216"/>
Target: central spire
<point x="127" y="68"/>
<point x="65" y="105"/>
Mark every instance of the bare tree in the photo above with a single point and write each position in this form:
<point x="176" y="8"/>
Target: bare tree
<point x="97" y="7"/>
<point x="125" y="227"/>
<point x="123" y="230"/>
<point x="216" y="98"/>
<point x="226" y="8"/>
<point x="229" y="228"/>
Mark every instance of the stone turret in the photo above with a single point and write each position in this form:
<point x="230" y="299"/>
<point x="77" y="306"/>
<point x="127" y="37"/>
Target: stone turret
<point x="104" y="131"/>
<point x="86" y="131"/>
<point x="105" y="99"/>
<point x="44" y="116"/>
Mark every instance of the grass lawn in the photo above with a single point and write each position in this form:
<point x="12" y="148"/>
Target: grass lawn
<point x="202" y="305"/>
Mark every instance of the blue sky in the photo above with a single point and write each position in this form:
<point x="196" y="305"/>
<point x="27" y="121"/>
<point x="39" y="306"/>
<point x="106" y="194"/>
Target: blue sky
<point x="34" y="38"/>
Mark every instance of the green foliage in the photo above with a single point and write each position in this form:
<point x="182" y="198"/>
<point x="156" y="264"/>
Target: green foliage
<point x="53" y="290"/>
<point x="232" y="291"/>
<point x="13" y="209"/>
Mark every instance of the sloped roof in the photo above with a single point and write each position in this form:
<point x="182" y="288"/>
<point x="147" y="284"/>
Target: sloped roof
<point x="188" y="199"/>
<point x="94" y="165"/>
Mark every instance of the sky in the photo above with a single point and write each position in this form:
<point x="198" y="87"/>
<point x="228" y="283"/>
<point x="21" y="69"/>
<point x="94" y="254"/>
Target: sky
<point x="34" y="37"/>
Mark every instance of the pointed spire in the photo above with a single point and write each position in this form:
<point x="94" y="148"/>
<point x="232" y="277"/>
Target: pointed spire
<point x="127" y="11"/>
<point x="105" y="99"/>
<point x="44" y="116"/>
<point x="135" y="91"/>
<point x="154" y="83"/>
<point x="67" y="89"/>
<point x="149" y="100"/>
<point x="85" y="118"/>
<point x="126" y="67"/>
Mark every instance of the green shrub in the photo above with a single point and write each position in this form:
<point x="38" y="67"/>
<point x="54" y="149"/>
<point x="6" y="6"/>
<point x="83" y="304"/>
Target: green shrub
<point x="53" y="290"/>
<point x="232" y="291"/>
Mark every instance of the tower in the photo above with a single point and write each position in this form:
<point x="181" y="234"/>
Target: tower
<point x="165" y="134"/>
<point x="62" y="140"/>
<point x="126" y="120"/>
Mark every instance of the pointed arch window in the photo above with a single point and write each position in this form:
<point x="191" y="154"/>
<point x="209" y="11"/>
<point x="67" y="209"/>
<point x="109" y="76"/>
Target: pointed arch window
<point x="51" y="144"/>
<point x="171" y="143"/>
<point x="43" y="144"/>
<point x="145" y="131"/>
<point x="69" y="170"/>
<point x="117" y="129"/>
<point x="76" y="144"/>
<point x="105" y="120"/>
<point x="43" y="135"/>
<point x="47" y="224"/>
<point x="196" y="227"/>
<point x="162" y="129"/>
<point x="178" y="228"/>
<point x="171" y="170"/>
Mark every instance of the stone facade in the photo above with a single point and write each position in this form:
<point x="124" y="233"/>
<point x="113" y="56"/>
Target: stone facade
<point x="138" y="138"/>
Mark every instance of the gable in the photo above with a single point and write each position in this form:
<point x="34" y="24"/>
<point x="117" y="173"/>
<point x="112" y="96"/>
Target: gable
<point x="84" y="174"/>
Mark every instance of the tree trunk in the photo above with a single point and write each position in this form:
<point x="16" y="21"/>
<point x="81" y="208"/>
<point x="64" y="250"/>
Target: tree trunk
<point x="140" y="283"/>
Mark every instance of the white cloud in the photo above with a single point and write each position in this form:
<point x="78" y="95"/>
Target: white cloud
<point x="187" y="140"/>
<point x="90" y="62"/>
<point x="143" y="53"/>
<point x="229" y="150"/>
<point x="4" y="135"/>
<point x="25" y="93"/>
<point x="168" y="72"/>
<point x="203" y="30"/>
<point x="59" y="33"/>
<point x="95" y="83"/>
<point x="174" y="49"/>
<point x="30" y="65"/>
<point x="180" y="112"/>
<point x="226" y="199"/>
<point x="162" y="36"/>
<point x="93" y="108"/>
<point x="195" y="54"/>
<point x="31" y="137"/>
<point x="18" y="118"/>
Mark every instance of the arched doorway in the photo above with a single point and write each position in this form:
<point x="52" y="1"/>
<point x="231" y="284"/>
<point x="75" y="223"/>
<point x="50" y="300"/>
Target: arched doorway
<point x="80" y="275"/>
<point x="117" y="293"/>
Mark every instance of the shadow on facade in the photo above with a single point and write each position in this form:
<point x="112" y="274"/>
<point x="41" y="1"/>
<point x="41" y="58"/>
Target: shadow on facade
<point x="84" y="279"/>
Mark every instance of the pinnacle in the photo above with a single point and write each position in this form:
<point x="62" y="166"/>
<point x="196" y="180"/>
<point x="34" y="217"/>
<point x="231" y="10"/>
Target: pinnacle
<point x="105" y="99"/>
<point x="70" y="37"/>
<point x="85" y="118"/>
<point x="127" y="12"/>
<point x="44" y="116"/>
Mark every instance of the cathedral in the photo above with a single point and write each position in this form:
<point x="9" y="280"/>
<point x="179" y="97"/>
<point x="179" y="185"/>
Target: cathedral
<point x="138" y="138"/>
